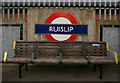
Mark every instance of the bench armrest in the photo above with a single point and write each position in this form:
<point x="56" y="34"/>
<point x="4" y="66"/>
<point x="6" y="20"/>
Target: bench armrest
<point x="116" y="58"/>
<point x="6" y="52"/>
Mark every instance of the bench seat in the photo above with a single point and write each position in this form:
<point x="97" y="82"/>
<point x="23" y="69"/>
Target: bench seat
<point x="74" y="60"/>
<point x="100" y="60"/>
<point x="47" y="60"/>
<point x="19" y="60"/>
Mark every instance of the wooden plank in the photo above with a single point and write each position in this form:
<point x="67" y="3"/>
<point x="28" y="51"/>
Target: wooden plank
<point x="25" y="55"/>
<point x="72" y="54"/>
<point x="50" y="51"/>
<point x="54" y="42"/>
<point x="79" y="54"/>
<point x="17" y="47"/>
<point x="49" y="44"/>
<point x="63" y="48"/>
<point x="77" y="51"/>
<point x="24" y="52"/>
<point x="48" y="47"/>
<point x="25" y="43"/>
<point x="87" y="48"/>
<point x="72" y="44"/>
<point x="97" y="54"/>
<point x="97" y="51"/>
<point x="95" y="46"/>
<point x="95" y="42"/>
<point x="24" y="49"/>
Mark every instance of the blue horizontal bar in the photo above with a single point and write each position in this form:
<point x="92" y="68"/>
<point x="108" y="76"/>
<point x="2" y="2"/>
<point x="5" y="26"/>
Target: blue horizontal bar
<point x="60" y="29"/>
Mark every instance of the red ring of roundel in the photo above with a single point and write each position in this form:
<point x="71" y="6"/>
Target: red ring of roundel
<point x="61" y="14"/>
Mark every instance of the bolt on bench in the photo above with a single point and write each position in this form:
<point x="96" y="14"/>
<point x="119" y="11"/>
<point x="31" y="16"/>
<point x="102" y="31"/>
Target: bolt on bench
<point x="53" y="52"/>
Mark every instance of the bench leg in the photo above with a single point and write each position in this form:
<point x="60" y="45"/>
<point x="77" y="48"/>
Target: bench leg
<point x="26" y="67"/>
<point x="101" y="70"/>
<point x="20" y="67"/>
<point x="95" y="67"/>
<point x="19" y="70"/>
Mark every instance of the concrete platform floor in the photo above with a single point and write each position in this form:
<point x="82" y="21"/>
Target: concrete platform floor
<point x="60" y="73"/>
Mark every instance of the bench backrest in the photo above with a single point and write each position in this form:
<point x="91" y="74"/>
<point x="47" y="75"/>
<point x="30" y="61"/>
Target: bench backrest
<point x="25" y="48"/>
<point x="47" y="48"/>
<point x="72" y="49"/>
<point x="96" y="48"/>
<point x="41" y="48"/>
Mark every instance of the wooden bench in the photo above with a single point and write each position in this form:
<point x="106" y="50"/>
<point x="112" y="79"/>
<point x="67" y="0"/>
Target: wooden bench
<point x="53" y="52"/>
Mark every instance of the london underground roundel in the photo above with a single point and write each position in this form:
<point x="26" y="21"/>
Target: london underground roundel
<point x="61" y="18"/>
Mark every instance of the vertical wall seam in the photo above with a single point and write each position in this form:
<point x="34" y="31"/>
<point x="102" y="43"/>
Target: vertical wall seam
<point x="115" y="12"/>
<point x="110" y="14"/>
<point x="8" y="13"/>
<point x="3" y="15"/>
<point x="100" y="14"/>
<point x="104" y="14"/>
<point x="13" y="13"/>
<point x="18" y="13"/>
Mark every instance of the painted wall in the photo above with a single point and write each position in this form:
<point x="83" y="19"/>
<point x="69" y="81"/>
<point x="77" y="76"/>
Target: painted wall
<point x="36" y="15"/>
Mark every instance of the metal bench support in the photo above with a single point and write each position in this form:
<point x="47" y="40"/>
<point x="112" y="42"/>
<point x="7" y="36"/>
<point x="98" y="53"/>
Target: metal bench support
<point x="88" y="58"/>
<point x="26" y="67"/>
<point x="95" y="66"/>
<point x="20" y="67"/>
<point x="101" y="70"/>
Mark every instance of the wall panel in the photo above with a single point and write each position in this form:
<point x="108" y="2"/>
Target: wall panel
<point x="86" y="16"/>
